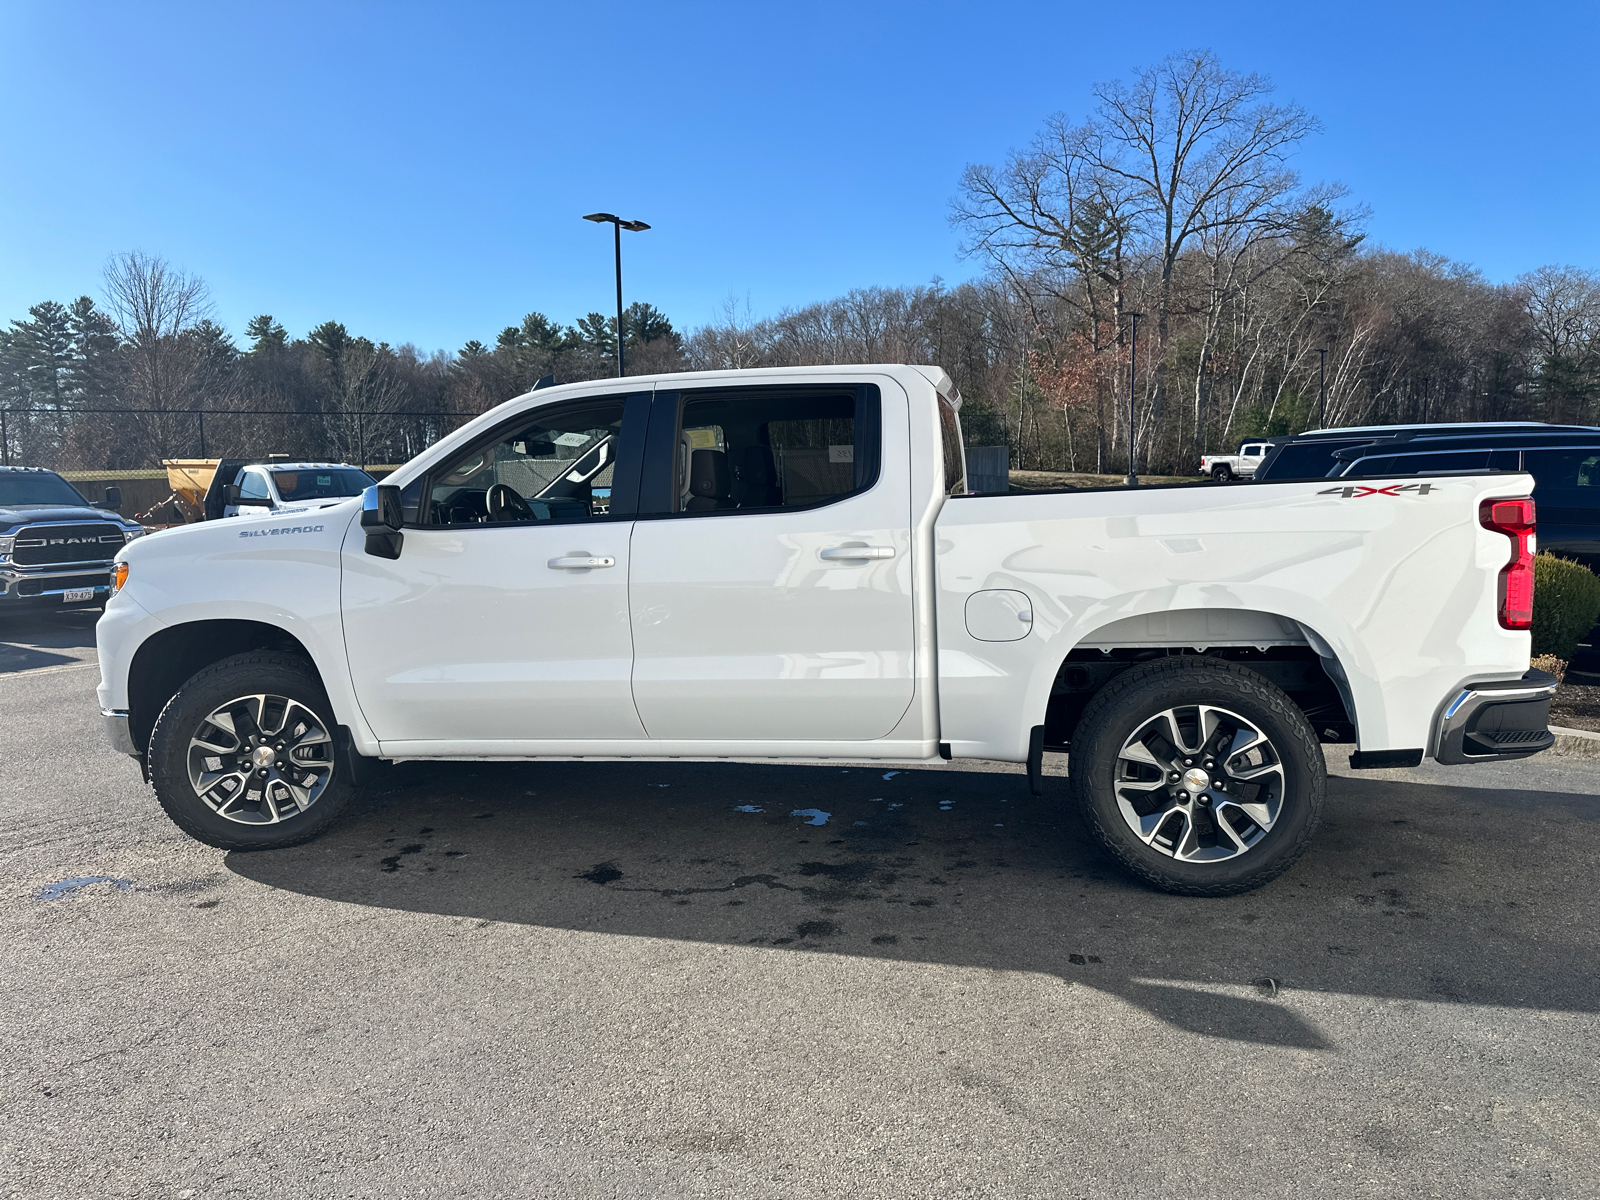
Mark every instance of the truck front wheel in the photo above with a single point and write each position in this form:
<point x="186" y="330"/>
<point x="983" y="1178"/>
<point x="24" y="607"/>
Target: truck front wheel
<point x="243" y="757"/>
<point x="1198" y="775"/>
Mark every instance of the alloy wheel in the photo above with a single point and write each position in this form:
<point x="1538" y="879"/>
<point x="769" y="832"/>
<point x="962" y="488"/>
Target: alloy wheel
<point x="1199" y="783"/>
<point x="260" y="760"/>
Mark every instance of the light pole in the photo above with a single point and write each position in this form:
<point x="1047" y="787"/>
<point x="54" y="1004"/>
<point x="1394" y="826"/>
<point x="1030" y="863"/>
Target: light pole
<point x="1133" y="361"/>
<point x="617" y="226"/>
<point x="1322" y="389"/>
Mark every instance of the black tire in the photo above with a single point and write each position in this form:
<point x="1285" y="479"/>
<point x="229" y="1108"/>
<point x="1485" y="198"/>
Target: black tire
<point x="1107" y="783"/>
<point x="260" y="672"/>
<point x="1221" y="474"/>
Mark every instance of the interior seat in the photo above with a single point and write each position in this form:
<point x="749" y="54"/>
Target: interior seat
<point x="710" y="485"/>
<point x="759" y="479"/>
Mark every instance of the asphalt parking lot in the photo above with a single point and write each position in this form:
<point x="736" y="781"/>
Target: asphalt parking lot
<point x="664" y="980"/>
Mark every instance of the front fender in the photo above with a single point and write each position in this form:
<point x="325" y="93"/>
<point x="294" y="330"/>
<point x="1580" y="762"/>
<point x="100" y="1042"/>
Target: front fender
<point x="279" y="571"/>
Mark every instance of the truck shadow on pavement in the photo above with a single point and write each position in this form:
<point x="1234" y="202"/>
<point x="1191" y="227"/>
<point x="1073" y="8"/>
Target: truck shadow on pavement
<point x="1411" y="891"/>
<point x="37" y="638"/>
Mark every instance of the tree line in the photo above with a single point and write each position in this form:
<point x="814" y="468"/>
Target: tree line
<point x="1261" y="310"/>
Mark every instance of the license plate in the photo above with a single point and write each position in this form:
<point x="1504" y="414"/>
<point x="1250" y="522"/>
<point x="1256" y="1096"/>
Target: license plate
<point x="77" y="595"/>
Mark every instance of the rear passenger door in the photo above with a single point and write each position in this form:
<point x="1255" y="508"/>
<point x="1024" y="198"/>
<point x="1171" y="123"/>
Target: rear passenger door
<point x="770" y="583"/>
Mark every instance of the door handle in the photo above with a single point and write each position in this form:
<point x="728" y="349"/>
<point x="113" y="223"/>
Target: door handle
<point x="858" y="552"/>
<point x="580" y="562"/>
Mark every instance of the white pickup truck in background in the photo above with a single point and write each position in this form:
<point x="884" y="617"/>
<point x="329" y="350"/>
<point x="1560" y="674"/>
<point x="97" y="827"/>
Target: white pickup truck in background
<point x="787" y="566"/>
<point x="289" y="487"/>
<point x="1242" y="465"/>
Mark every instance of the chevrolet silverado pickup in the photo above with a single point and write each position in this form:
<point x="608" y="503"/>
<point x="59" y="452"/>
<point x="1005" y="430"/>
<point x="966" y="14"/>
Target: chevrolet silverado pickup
<point x="56" y="548"/>
<point x="787" y="565"/>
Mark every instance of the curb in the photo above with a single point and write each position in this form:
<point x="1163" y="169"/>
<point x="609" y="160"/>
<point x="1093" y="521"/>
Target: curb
<point x="1577" y="743"/>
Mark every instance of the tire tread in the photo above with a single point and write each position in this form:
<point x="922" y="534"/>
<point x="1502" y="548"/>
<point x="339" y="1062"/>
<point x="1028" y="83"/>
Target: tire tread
<point x="258" y="661"/>
<point x="1265" y="693"/>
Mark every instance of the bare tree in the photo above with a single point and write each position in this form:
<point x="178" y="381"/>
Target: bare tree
<point x="155" y="307"/>
<point x="1188" y="151"/>
<point x="1564" y="303"/>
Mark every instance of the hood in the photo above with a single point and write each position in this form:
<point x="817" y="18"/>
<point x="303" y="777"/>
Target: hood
<point x="53" y="514"/>
<point x="309" y="505"/>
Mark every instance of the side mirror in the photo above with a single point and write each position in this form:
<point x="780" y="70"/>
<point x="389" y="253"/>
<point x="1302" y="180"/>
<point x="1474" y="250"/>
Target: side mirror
<point x="382" y="518"/>
<point x="380" y="507"/>
<point x="114" y="499"/>
<point x="231" y="493"/>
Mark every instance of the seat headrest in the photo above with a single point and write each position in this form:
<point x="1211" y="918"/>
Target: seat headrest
<point x="708" y="474"/>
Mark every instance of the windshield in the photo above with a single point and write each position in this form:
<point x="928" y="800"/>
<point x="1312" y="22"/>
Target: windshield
<point x="325" y="483"/>
<point x="1306" y="460"/>
<point x="37" y="487"/>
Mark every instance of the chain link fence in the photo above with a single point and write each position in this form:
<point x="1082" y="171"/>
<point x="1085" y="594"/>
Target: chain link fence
<point x="129" y="448"/>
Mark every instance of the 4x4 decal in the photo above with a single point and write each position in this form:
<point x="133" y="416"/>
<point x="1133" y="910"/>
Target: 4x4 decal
<point x="1394" y="489"/>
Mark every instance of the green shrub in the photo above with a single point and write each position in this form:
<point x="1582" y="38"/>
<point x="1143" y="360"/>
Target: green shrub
<point x="1566" y="604"/>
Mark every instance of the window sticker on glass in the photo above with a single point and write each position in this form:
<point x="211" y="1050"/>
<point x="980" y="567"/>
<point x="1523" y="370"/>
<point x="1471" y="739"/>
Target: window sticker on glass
<point x="705" y="439"/>
<point x="841" y="454"/>
<point x="324" y="480"/>
<point x="571" y="439"/>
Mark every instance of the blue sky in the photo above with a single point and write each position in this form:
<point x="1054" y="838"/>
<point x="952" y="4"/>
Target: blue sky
<point x="418" y="171"/>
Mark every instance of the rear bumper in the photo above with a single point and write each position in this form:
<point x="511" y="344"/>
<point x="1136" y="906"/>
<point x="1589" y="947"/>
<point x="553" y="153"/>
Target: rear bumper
<point x="1492" y="722"/>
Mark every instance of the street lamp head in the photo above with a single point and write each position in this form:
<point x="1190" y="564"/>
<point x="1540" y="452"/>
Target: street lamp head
<point x="603" y="218"/>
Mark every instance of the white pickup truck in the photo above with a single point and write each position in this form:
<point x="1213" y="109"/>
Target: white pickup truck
<point x="1224" y="467"/>
<point x="786" y="566"/>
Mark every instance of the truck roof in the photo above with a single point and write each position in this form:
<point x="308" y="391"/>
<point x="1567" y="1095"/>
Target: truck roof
<point x="1380" y="430"/>
<point x="306" y="466"/>
<point x="934" y="375"/>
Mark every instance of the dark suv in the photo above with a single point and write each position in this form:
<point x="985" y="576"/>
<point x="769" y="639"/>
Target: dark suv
<point x="56" y="547"/>
<point x="1564" y="461"/>
<point x="1311" y="455"/>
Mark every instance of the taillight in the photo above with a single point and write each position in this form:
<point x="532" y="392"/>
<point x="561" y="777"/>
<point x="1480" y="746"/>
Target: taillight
<point x="1514" y="518"/>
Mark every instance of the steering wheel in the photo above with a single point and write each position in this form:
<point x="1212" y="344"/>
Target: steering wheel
<point x="505" y="504"/>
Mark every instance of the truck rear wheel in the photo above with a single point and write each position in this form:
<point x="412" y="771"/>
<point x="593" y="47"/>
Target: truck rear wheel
<point x="243" y="757"/>
<point x="1221" y="473"/>
<point x="1198" y="776"/>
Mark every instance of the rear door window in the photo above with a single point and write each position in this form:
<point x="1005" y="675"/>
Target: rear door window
<point x="772" y="448"/>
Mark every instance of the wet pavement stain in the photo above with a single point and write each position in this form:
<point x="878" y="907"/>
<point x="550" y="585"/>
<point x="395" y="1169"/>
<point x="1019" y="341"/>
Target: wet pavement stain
<point x="601" y="873"/>
<point x="68" y="888"/>
<point x="392" y="864"/>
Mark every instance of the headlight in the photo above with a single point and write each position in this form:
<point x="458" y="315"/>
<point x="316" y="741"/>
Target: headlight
<point x="119" y="576"/>
<point x="5" y="546"/>
<point x="129" y="534"/>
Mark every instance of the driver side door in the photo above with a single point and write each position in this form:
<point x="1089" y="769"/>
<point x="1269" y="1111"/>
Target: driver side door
<point x="505" y="617"/>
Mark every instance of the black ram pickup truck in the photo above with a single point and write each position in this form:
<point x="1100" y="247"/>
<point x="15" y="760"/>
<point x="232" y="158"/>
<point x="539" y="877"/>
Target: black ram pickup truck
<point x="56" y="547"/>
